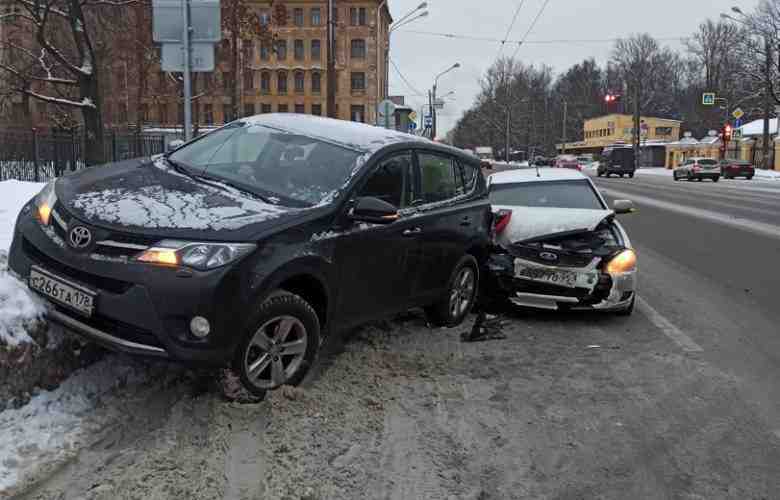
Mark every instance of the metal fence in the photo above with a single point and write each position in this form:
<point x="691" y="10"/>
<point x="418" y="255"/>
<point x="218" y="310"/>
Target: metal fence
<point x="35" y="156"/>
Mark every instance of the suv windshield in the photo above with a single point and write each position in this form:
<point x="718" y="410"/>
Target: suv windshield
<point x="556" y="194"/>
<point x="270" y="162"/>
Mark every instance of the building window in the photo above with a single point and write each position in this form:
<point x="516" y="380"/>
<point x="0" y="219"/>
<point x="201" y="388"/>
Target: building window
<point x="299" y="82"/>
<point x="298" y="49"/>
<point x="208" y="114"/>
<point x="283" y="108"/>
<point x="265" y="82"/>
<point x="265" y="54"/>
<point x="249" y="80"/>
<point x="162" y="112"/>
<point x="300" y="109"/>
<point x="227" y="113"/>
<point x="264" y="17"/>
<point x="316" y="109"/>
<point x="359" y="81"/>
<point x="281" y="83"/>
<point x="663" y="131"/>
<point x="265" y="108"/>
<point x="227" y="81"/>
<point x="357" y="16"/>
<point x="358" y="49"/>
<point x="315" y="50"/>
<point x="249" y="109"/>
<point x="316" y="17"/>
<point x="357" y="113"/>
<point x="281" y="50"/>
<point x="249" y="51"/>
<point x="316" y="83"/>
<point x="298" y="16"/>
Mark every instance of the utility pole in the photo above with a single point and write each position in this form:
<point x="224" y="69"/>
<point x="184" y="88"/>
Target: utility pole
<point x="331" y="100"/>
<point x="636" y="133"/>
<point x="430" y="113"/>
<point x="433" y="114"/>
<point x="508" y="122"/>
<point x="185" y="7"/>
<point x="767" y="105"/>
<point x="565" y="117"/>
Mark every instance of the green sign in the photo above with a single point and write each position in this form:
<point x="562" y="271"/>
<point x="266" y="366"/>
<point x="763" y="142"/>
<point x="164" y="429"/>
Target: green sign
<point x="708" y="98"/>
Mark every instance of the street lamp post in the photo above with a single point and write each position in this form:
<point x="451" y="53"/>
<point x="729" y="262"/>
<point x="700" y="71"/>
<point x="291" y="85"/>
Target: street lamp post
<point x="432" y="97"/>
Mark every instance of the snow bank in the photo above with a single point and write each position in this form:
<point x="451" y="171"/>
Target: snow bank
<point x="56" y="423"/>
<point x="772" y="175"/>
<point x="661" y="171"/>
<point x="18" y="307"/>
<point x="13" y="196"/>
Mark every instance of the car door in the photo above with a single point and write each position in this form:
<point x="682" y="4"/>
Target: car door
<point x="449" y="216"/>
<point x="373" y="259"/>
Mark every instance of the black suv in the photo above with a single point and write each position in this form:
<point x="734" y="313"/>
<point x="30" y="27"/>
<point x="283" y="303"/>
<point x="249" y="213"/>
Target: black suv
<point x="618" y="161"/>
<point x="246" y="245"/>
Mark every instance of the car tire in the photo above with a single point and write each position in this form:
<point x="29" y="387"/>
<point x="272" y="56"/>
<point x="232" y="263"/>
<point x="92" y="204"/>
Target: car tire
<point x="715" y="179"/>
<point x="607" y="175"/>
<point x="279" y="312"/>
<point x="628" y="311"/>
<point x="698" y="179"/>
<point x="599" y="174"/>
<point x="462" y="286"/>
<point x="674" y="176"/>
<point x="749" y="177"/>
<point x="631" y="175"/>
<point x="621" y="176"/>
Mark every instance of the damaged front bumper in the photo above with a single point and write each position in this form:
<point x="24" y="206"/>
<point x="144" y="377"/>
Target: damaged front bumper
<point x="587" y="287"/>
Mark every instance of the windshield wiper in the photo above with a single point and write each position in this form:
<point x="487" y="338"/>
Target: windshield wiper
<point x="225" y="184"/>
<point x="179" y="167"/>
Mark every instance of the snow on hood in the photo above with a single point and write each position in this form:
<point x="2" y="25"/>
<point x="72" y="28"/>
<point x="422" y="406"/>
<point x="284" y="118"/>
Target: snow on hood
<point x="152" y="200"/>
<point x="533" y="222"/>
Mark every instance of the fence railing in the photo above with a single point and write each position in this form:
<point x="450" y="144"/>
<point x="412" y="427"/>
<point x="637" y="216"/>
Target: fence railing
<point x="35" y="156"/>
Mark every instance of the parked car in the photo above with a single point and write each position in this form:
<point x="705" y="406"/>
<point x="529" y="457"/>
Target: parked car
<point x="618" y="161"/>
<point x="737" y="168"/>
<point x="541" y="161"/>
<point x="245" y="246"/>
<point x="557" y="245"/>
<point x="698" y="169"/>
<point x="567" y="161"/>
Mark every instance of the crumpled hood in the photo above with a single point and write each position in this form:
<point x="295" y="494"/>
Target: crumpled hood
<point x="534" y="222"/>
<point x="150" y="197"/>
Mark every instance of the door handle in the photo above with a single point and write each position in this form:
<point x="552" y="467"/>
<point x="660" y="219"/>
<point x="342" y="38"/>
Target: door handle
<point x="412" y="232"/>
<point x="465" y="221"/>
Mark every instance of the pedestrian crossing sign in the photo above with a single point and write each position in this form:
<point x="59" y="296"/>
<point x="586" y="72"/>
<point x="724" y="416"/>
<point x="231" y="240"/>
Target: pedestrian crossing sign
<point x="708" y="98"/>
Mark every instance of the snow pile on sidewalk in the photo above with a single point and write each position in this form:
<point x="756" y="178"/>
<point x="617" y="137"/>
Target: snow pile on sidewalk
<point x="654" y="171"/>
<point x="18" y="309"/>
<point x="56" y="423"/>
<point x="13" y="196"/>
<point x="772" y="175"/>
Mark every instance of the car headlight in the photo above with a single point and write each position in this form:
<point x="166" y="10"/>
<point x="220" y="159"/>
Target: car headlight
<point x="202" y="256"/>
<point x="623" y="262"/>
<point x="44" y="203"/>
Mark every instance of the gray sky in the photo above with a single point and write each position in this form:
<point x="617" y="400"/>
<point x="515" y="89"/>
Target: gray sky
<point x="421" y="57"/>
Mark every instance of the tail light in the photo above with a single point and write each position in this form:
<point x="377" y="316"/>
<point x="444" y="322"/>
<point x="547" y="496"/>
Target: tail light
<point x="696" y="168"/>
<point x="502" y="218"/>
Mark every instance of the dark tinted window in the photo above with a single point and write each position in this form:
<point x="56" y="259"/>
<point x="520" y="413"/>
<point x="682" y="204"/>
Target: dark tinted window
<point x="392" y="181"/>
<point x="469" y="176"/>
<point x="707" y="162"/>
<point x="556" y="194"/>
<point x="439" y="179"/>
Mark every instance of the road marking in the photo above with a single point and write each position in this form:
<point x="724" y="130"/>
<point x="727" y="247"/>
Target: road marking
<point x="667" y="327"/>
<point x="719" y="218"/>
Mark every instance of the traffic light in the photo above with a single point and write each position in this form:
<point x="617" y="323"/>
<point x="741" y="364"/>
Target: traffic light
<point x="726" y="132"/>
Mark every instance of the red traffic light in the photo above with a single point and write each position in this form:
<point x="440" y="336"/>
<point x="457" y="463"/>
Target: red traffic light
<point x="609" y="98"/>
<point x="727" y="132"/>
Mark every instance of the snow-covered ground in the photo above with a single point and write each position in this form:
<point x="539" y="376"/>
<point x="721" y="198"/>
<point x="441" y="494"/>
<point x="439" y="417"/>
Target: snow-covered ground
<point x="654" y="171"/>
<point x="770" y="175"/>
<point x="13" y="196"/>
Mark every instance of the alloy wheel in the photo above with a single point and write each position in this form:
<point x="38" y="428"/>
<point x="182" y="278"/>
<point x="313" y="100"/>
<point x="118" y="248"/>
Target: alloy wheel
<point x="276" y="352"/>
<point x="462" y="293"/>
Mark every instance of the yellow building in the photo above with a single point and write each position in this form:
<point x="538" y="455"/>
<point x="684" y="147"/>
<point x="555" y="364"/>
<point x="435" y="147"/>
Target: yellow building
<point x="602" y="131"/>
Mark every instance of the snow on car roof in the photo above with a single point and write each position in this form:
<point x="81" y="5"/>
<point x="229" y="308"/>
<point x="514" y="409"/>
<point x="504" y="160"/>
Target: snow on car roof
<point x="529" y="175"/>
<point x="353" y="135"/>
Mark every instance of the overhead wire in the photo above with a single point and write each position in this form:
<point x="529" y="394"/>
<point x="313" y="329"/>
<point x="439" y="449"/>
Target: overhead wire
<point x="530" y="28"/>
<point x="509" y="30"/>
<point x="529" y="42"/>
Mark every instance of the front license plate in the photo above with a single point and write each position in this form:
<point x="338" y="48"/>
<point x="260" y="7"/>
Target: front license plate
<point x="62" y="291"/>
<point x="568" y="279"/>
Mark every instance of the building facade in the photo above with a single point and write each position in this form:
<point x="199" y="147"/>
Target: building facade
<point x="283" y="73"/>
<point x="602" y="131"/>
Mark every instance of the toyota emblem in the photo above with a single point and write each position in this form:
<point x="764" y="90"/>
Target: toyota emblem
<point x="80" y="237"/>
<point x="548" y="256"/>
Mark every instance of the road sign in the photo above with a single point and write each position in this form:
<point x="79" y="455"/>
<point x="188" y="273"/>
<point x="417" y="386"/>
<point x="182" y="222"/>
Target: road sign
<point x="168" y="21"/>
<point x="386" y="108"/>
<point x="428" y="122"/>
<point x="202" y="59"/>
<point x="438" y="104"/>
<point x="738" y="113"/>
<point x="412" y="126"/>
<point x="708" y="98"/>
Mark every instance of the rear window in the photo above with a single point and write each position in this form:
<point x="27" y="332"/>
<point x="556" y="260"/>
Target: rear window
<point x="707" y="162"/>
<point x="555" y="194"/>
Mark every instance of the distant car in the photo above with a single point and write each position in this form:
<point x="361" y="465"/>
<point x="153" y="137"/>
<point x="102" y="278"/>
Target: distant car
<point x="618" y="161"/>
<point x="557" y="245"/>
<point x="244" y="247"/>
<point x="737" y="168"/>
<point x="698" y="169"/>
<point x="567" y="161"/>
<point x="541" y="161"/>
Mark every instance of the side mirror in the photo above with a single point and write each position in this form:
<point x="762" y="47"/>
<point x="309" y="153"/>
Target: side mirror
<point x="374" y="210"/>
<point x="175" y="144"/>
<point x="486" y="165"/>
<point x="623" y="207"/>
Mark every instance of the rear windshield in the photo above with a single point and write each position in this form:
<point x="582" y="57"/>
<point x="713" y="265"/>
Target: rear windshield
<point x="707" y="162"/>
<point x="270" y="162"/>
<point x="555" y="194"/>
